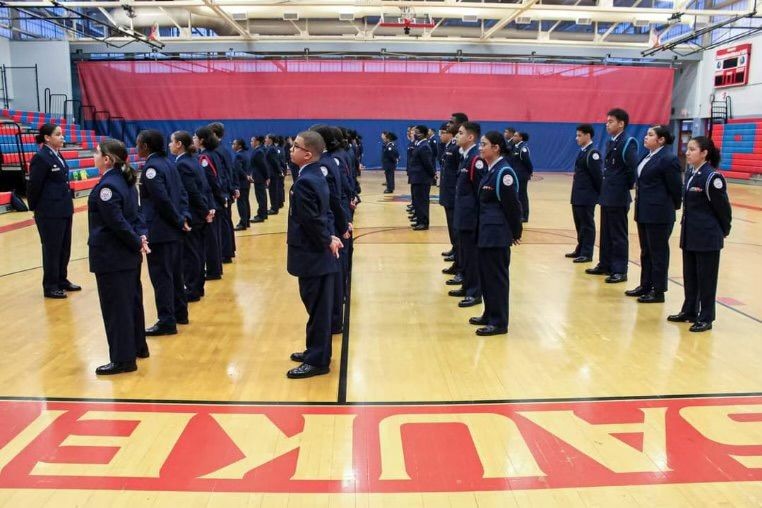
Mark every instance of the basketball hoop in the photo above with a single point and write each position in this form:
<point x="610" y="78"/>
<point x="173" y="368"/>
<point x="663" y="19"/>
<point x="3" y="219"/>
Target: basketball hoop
<point x="407" y="21"/>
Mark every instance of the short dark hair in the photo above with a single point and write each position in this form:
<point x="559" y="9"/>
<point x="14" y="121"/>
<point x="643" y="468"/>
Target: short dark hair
<point x="207" y="138"/>
<point x="472" y="127"/>
<point x="498" y="139"/>
<point x="524" y="135"/>
<point x="328" y="134"/>
<point x="422" y="129"/>
<point x="184" y="138"/>
<point x="154" y="141"/>
<point x="452" y="129"/>
<point x="459" y="118"/>
<point x="240" y="142"/>
<point x="218" y="128"/>
<point x="620" y="115"/>
<point x="586" y="128"/>
<point x="46" y="129"/>
<point x="313" y="142"/>
<point x="261" y="139"/>
<point x="663" y="132"/>
<point x="713" y="153"/>
<point x="512" y="130"/>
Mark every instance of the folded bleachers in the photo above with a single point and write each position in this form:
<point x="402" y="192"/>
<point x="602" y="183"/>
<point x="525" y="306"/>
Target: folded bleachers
<point x="740" y="143"/>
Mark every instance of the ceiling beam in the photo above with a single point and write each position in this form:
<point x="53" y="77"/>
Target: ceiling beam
<point x="525" y="6"/>
<point x="212" y="4"/>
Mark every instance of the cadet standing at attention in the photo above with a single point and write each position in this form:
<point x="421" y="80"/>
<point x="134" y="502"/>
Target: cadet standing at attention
<point x="421" y="173"/>
<point x="447" y="181"/>
<point x="521" y="162"/>
<point x="205" y="142"/>
<point x="390" y="156"/>
<point x="229" y="183"/>
<point x="260" y="176"/>
<point x="164" y="204"/>
<point x="586" y="187"/>
<point x="312" y="253"/>
<point x="619" y="172"/>
<point x="242" y="172"/>
<point x="705" y="224"/>
<point x="117" y="240"/>
<point x="50" y="200"/>
<point x="499" y="228"/>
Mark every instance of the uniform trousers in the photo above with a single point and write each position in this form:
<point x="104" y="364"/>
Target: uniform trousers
<point x="212" y="251"/>
<point x="121" y="299"/>
<point x="494" y="264"/>
<point x="317" y="296"/>
<point x="166" y="273"/>
<point x="451" y="232"/>
<point x="260" y="192"/>
<point x="421" y="193"/>
<point x="584" y="223"/>
<point x="244" y="207"/>
<point x="193" y="261"/>
<point x="227" y="234"/>
<point x="337" y="312"/>
<point x="700" y="271"/>
<point x="613" y="252"/>
<point x="55" y="236"/>
<point x="654" y="255"/>
<point x="524" y="194"/>
<point x="469" y="263"/>
<point x="281" y="187"/>
<point x="389" y="174"/>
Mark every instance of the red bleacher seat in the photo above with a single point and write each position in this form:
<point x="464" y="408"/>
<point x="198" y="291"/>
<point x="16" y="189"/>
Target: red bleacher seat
<point x="79" y="185"/>
<point x="5" y="198"/>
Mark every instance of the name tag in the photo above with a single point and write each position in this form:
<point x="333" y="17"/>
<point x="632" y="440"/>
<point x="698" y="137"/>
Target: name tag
<point x="55" y="168"/>
<point x="695" y="189"/>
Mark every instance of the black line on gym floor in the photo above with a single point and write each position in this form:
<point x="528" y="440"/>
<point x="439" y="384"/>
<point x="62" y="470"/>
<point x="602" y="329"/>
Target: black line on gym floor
<point x="341" y="397"/>
<point x="612" y="398"/>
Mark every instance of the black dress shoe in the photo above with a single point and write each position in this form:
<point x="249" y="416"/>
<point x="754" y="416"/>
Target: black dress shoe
<point x="227" y="261"/>
<point x="272" y="212"/>
<point x="469" y="301"/>
<point x="582" y="259"/>
<point x="481" y="320"/>
<point x="192" y="298"/>
<point x="258" y="219"/>
<point x="68" y="286"/>
<point x="652" y="297"/>
<point x="213" y="277"/>
<point x="387" y="191"/>
<point x="450" y="270"/>
<point x="183" y="321"/>
<point x="615" y="278"/>
<point x="116" y="368"/>
<point x="54" y="293"/>
<point x="638" y="291"/>
<point x="700" y="326"/>
<point x="306" y="370"/>
<point x="338" y="330"/>
<point x="409" y="207"/>
<point x="681" y="317"/>
<point x="297" y="357"/>
<point x="455" y="281"/>
<point x="239" y="228"/>
<point x="420" y="227"/>
<point x="450" y="252"/>
<point x="157" y="330"/>
<point x="450" y="259"/>
<point x="460" y="293"/>
<point x="571" y="255"/>
<point x="491" y="330"/>
<point x="597" y="270"/>
<point x="143" y="353"/>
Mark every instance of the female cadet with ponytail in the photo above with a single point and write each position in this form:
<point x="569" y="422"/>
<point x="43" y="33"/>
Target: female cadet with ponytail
<point x="499" y="227"/>
<point x="705" y="224"/>
<point x="50" y="199"/>
<point x="658" y="194"/>
<point x="117" y="239"/>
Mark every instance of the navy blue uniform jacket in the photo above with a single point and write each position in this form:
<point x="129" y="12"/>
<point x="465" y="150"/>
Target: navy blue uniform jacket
<point x="619" y="171"/>
<point x="449" y="175"/>
<point x="196" y="186"/>
<point x="309" y="235"/>
<point x="335" y="207"/>
<point x="421" y="168"/>
<point x="520" y="160"/>
<point x="706" y="211"/>
<point x="48" y="189"/>
<point x="260" y="169"/>
<point x="659" y="189"/>
<point x="390" y="156"/>
<point x="242" y="168"/>
<point x="588" y="175"/>
<point x="115" y="225"/>
<point x="499" y="207"/>
<point x="470" y="173"/>
<point x="163" y="200"/>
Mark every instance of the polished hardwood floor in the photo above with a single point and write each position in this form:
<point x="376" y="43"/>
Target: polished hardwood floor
<point x="572" y="338"/>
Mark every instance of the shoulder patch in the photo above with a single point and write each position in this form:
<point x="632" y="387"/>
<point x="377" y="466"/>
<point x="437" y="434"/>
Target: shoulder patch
<point x="507" y="180"/>
<point x="717" y="183"/>
<point x="106" y="194"/>
<point x="479" y="164"/>
<point x="150" y="173"/>
<point x="525" y="149"/>
<point x="204" y="162"/>
<point x="324" y="170"/>
<point x="336" y="160"/>
<point x="596" y="156"/>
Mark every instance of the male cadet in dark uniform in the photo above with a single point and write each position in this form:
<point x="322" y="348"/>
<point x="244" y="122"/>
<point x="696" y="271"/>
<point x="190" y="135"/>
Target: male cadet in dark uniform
<point x="312" y="252"/>
<point x="410" y="147"/>
<point x="164" y="204"/>
<point x="586" y="188"/>
<point x="466" y="215"/>
<point x="242" y="174"/>
<point x="421" y="173"/>
<point x="229" y="183"/>
<point x="260" y="175"/>
<point x="521" y="162"/>
<point x="448" y="178"/>
<point x="619" y="173"/>
<point x="273" y="161"/>
<point x="390" y="156"/>
<point x="434" y="144"/>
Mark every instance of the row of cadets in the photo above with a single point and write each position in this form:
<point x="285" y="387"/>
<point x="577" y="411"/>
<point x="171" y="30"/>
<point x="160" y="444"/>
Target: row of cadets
<point x="390" y="157"/>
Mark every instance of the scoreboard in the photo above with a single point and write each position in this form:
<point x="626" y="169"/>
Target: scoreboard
<point x="732" y="66"/>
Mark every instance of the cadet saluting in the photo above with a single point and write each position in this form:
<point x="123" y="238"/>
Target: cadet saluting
<point x="499" y="228"/>
<point x="50" y="199"/>
<point x="117" y="240"/>
<point x="706" y="222"/>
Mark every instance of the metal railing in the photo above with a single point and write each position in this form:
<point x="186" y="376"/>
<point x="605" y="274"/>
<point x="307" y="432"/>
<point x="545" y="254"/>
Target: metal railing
<point x="12" y="178"/>
<point x="55" y="103"/>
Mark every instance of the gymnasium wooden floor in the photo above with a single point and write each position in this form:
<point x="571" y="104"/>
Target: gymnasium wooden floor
<point x="590" y="400"/>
